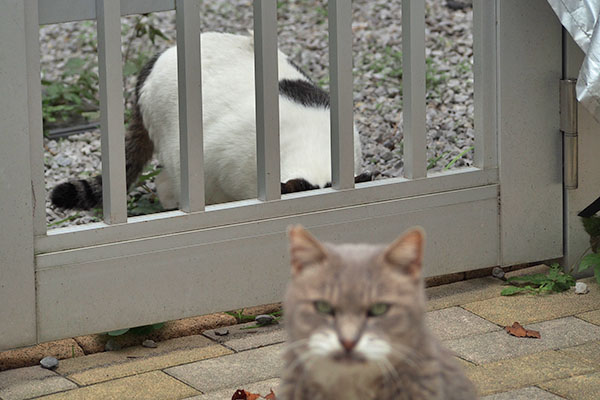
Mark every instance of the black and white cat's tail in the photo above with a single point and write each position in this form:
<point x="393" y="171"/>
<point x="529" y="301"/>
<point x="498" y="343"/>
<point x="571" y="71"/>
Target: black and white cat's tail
<point x="86" y="194"/>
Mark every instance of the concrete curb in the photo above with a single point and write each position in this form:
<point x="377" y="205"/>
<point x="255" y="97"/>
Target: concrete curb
<point x="90" y="344"/>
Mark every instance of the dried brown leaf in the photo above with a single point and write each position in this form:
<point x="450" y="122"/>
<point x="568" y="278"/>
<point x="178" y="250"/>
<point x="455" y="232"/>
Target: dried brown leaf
<point x="241" y="394"/>
<point x="517" y="330"/>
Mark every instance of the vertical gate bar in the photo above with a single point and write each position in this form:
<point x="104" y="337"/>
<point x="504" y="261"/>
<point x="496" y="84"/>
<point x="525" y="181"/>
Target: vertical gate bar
<point x="413" y="62"/>
<point x="341" y="84"/>
<point x="110" y="73"/>
<point x="267" y="99"/>
<point x="484" y="75"/>
<point x="190" y="105"/>
<point x="34" y="94"/>
<point x="17" y="254"/>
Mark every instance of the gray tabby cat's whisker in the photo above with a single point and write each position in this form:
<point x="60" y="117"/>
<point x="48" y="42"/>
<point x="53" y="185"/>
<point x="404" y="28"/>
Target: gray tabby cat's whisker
<point x="392" y="372"/>
<point x="300" y="360"/>
<point x="407" y="354"/>
<point x="293" y="345"/>
<point x="383" y="370"/>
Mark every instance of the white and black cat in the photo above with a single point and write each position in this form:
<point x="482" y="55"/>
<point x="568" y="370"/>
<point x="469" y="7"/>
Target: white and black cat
<point x="229" y="128"/>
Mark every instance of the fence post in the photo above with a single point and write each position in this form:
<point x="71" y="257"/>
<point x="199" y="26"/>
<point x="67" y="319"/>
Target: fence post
<point x="340" y="67"/>
<point x="110" y="73"/>
<point x="17" y="275"/>
<point x="189" y="78"/>
<point x="413" y="61"/>
<point x="267" y="100"/>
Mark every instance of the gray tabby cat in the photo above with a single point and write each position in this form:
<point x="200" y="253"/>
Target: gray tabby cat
<point x="355" y="316"/>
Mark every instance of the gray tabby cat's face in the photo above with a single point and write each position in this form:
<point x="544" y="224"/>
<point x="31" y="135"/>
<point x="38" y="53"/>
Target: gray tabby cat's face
<point x="354" y="305"/>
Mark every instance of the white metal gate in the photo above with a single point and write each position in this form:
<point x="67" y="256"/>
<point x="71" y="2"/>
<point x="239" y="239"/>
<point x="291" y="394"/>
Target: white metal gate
<point x="126" y="272"/>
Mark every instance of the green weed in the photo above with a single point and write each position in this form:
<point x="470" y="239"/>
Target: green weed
<point x="432" y="162"/>
<point x="554" y="281"/>
<point x="458" y="157"/>
<point x="75" y="95"/>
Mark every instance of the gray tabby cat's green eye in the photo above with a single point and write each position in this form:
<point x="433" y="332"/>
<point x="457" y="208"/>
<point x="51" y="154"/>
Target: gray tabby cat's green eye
<point x="324" y="307"/>
<point x="378" y="309"/>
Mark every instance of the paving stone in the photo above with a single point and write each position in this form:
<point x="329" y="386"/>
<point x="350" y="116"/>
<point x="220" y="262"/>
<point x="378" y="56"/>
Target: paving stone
<point x="504" y="310"/>
<point x="241" y="338"/>
<point x="154" y="385"/>
<point x="228" y="371"/>
<point x="263" y="388"/>
<point x="455" y="322"/>
<point x="494" y="346"/>
<point x="145" y="364"/>
<point x="591" y="316"/>
<point x="462" y="292"/>
<point x="583" y="387"/>
<point x="588" y="351"/>
<point x="527" y="393"/>
<point x="79" y="364"/>
<point x="24" y="383"/>
<point x="525" y="371"/>
<point x="465" y="364"/>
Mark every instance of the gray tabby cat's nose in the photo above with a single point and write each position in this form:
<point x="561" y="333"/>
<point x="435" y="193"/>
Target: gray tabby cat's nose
<point x="348" y="344"/>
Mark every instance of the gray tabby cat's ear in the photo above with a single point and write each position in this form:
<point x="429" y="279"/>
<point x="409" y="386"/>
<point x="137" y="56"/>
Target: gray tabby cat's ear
<point x="305" y="249"/>
<point x="406" y="252"/>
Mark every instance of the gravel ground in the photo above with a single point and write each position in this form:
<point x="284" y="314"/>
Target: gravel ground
<point x="377" y="35"/>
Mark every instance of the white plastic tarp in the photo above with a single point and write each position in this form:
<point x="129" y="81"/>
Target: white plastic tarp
<point x="581" y="19"/>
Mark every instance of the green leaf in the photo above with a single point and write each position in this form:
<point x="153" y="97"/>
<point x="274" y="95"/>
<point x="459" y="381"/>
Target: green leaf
<point x="69" y="218"/>
<point x="74" y="66"/>
<point x="118" y="332"/>
<point x="129" y="68"/>
<point x="158" y="325"/>
<point x="588" y="261"/>
<point x="153" y="32"/>
<point x="509" y="291"/>
<point x="146" y="329"/>
<point x="535" y="279"/>
<point x="591" y="225"/>
<point x="144" y="177"/>
<point x="144" y="206"/>
<point x="458" y="157"/>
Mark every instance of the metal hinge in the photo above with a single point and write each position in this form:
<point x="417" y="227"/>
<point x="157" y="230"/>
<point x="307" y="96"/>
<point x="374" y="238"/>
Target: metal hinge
<point x="568" y="126"/>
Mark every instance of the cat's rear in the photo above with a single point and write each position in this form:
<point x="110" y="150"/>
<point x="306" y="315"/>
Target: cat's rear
<point x="229" y="128"/>
<point x="355" y="316"/>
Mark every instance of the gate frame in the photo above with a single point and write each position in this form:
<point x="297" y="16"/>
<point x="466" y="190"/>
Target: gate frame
<point x="79" y="272"/>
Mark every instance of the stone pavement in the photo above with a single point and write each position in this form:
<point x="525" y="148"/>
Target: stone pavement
<point x="468" y="316"/>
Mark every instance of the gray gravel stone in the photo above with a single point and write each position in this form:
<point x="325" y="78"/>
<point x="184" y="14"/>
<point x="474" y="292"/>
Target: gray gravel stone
<point x="49" y="362"/>
<point x="498" y="272"/>
<point x="151" y="344"/>
<point x="111" y="345"/>
<point x="264" y="319"/>
<point x="581" y="288"/>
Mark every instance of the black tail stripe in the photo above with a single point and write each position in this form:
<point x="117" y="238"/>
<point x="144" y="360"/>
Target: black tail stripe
<point x="90" y="198"/>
